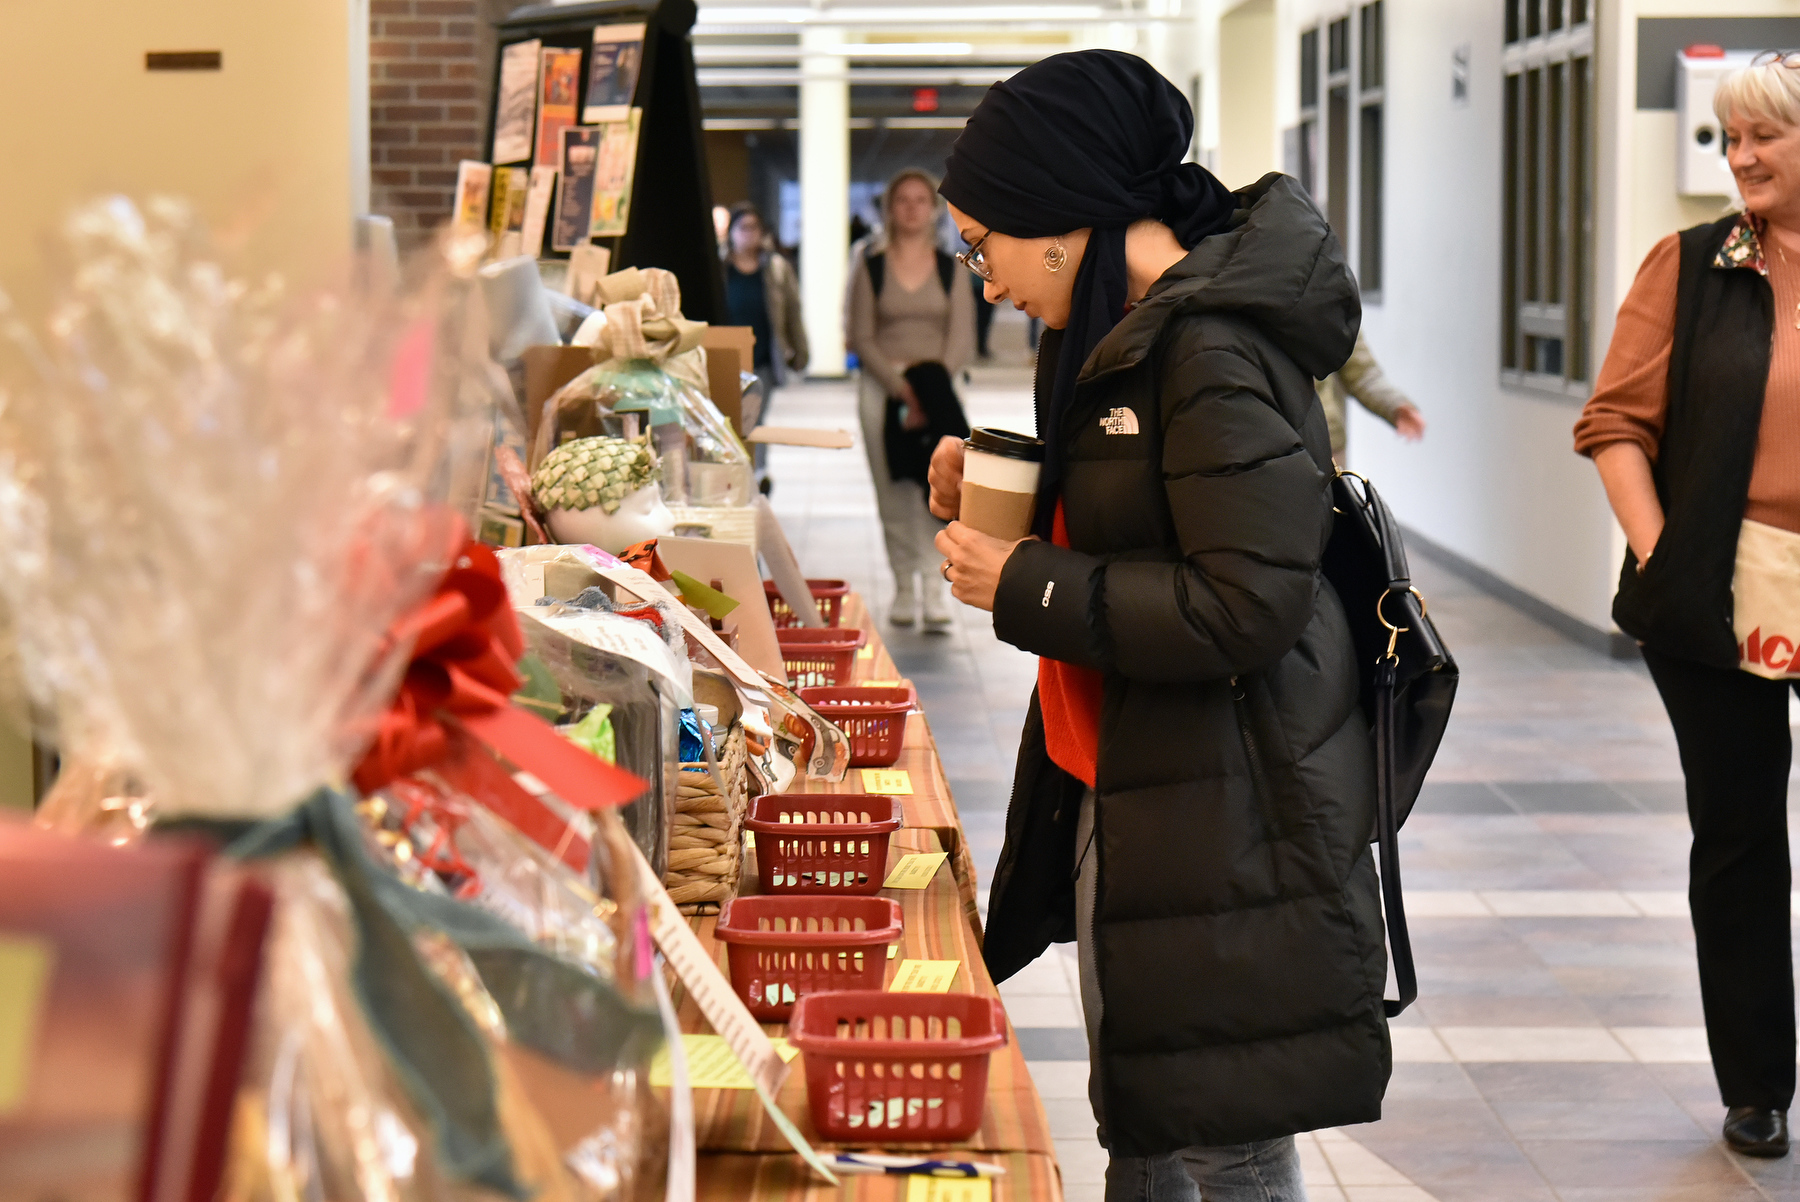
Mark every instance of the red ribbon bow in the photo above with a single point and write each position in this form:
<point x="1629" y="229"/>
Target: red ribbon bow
<point x="454" y="714"/>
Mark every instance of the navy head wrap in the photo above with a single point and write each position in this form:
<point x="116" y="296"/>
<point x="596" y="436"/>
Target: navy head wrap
<point x="1088" y="140"/>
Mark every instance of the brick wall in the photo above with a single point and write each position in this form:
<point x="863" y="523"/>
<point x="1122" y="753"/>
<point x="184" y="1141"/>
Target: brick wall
<point x="430" y="69"/>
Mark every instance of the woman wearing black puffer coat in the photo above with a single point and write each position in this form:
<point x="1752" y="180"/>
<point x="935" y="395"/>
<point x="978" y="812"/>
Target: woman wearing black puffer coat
<point x="1195" y="791"/>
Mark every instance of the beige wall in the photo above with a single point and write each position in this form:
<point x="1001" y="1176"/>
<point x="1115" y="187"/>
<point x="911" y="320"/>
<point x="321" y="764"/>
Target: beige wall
<point x="1249" y="146"/>
<point x="274" y="146"/>
<point x="274" y="143"/>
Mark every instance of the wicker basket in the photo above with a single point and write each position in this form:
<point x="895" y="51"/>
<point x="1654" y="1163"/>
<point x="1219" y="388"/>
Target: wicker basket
<point x="707" y="830"/>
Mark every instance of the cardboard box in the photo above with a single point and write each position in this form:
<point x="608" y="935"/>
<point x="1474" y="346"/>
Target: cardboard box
<point x="730" y="351"/>
<point x="548" y="368"/>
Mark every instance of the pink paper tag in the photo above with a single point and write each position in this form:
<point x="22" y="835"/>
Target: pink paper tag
<point x="646" y="951"/>
<point x="409" y="377"/>
<point x="599" y="558"/>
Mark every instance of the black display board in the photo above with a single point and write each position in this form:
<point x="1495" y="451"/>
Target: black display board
<point x="671" y="223"/>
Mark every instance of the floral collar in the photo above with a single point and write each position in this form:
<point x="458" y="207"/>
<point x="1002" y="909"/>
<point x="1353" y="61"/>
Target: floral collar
<point x="1743" y="246"/>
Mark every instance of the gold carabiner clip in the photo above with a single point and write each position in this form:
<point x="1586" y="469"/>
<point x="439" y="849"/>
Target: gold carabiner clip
<point x="1394" y="632"/>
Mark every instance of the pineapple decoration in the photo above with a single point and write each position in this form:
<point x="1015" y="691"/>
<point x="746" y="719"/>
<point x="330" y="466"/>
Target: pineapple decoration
<point x="586" y="473"/>
<point x="602" y="491"/>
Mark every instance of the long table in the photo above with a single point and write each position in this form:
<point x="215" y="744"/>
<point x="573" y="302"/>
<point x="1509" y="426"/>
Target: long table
<point x="743" y="1154"/>
<point x="931" y="804"/>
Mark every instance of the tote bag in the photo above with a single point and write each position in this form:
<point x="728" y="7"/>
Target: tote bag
<point x="1765" y="596"/>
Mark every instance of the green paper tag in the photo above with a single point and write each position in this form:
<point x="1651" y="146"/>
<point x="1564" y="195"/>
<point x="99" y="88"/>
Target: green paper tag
<point x="594" y="733"/>
<point x="705" y="598"/>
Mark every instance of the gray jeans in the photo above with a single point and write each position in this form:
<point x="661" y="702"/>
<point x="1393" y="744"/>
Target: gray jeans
<point x="1265" y="1171"/>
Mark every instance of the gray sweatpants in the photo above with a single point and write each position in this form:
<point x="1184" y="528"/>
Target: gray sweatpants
<point x="906" y="523"/>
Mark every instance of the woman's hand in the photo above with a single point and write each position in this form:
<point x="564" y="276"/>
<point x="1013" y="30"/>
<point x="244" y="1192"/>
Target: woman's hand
<point x="1631" y="489"/>
<point x="1409" y="422"/>
<point x="974" y="559"/>
<point x="912" y="412"/>
<point x="946" y="475"/>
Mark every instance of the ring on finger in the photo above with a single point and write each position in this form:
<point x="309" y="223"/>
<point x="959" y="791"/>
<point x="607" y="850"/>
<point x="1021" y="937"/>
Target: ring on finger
<point x="944" y="570"/>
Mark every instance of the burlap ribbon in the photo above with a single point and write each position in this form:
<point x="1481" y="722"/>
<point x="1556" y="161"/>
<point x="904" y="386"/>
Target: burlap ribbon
<point x="643" y="316"/>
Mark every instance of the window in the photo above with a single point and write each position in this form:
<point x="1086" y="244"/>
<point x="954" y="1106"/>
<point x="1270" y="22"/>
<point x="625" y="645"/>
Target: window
<point x="1547" y="210"/>
<point x="1340" y="141"/>
<point x="1370" y="81"/>
<point x="1309" y="110"/>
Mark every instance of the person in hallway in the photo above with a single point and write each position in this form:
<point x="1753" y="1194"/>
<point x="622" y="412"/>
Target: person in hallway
<point x="1694" y="425"/>
<point x="762" y="292"/>
<point x="906" y="307"/>
<point x="1195" y="787"/>
<point x="1363" y="379"/>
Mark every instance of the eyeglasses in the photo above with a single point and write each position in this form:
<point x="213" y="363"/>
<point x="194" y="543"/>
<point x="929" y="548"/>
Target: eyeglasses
<point x="1787" y="58"/>
<point x="975" y="261"/>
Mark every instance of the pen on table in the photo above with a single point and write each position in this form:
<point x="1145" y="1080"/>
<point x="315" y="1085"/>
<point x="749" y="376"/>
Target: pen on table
<point x="870" y="1163"/>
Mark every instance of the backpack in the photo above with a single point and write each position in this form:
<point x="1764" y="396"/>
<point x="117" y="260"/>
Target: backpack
<point x="877" y="265"/>
<point x="1407" y="688"/>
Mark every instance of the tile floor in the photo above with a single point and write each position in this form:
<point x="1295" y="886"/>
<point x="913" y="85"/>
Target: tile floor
<point x="1556" y="1050"/>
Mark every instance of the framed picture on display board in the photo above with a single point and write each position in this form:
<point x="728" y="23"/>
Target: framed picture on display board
<point x="559" y="82"/>
<point x="506" y="211"/>
<point x="516" y="111"/>
<point x="539" y="192"/>
<point x="575" y="204"/>
<point x="472" y="182"/>
<point x="614" y="174"/>
<point x="613" y="65"/>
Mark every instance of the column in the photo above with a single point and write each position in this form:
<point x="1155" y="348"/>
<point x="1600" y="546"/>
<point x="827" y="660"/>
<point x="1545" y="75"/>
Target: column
<point x="824" y="194"/>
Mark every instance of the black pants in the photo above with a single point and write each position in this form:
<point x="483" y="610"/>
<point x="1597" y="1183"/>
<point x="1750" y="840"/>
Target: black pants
<point x="1732" y="730"/>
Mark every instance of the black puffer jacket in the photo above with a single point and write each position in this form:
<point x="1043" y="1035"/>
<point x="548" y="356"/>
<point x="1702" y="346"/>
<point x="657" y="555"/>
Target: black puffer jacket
<point x="1238" y="929"/>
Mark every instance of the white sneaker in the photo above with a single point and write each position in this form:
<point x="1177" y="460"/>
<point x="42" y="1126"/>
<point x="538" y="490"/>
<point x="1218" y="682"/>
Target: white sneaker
<point x="906" y="604"/>
<point x="937" y="604"/>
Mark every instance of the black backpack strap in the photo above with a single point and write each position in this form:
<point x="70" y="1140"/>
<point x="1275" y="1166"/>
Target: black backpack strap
<point x="1406" y="977"/>
<point x="946" y="270"/>
<point x="877" y="265"/>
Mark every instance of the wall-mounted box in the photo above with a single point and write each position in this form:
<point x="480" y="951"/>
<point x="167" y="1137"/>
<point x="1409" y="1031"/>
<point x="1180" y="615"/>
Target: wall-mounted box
<point x="1700" y="165"/>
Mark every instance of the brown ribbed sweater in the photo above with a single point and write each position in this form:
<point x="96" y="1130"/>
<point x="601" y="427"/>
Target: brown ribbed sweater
<point x="1631" y="398"/>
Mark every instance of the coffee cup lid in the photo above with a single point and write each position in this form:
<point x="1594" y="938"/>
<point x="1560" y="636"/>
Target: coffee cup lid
<point x="1005" y="443"/>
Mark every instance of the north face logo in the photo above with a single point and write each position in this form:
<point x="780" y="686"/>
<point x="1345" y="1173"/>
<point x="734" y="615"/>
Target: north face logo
<point x="1120" y="421"/>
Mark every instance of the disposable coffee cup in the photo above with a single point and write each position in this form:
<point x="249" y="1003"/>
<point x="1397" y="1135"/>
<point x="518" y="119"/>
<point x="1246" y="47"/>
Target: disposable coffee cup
<point x="1000" y="480"/>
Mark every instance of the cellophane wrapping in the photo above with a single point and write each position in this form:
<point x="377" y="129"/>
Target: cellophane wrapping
<point x="611" y="1130"/>
<point x="216" y="493"/>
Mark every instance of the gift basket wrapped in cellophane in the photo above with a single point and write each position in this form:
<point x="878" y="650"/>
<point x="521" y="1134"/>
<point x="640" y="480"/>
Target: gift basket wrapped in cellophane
<point x="237" y="574"/>
<point x="650" y="378"/>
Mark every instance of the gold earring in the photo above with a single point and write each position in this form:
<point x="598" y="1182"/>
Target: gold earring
<point x="1055" y="255"/>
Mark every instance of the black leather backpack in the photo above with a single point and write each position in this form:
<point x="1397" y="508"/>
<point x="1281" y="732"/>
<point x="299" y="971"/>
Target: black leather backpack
<point x="1408" y="682"/>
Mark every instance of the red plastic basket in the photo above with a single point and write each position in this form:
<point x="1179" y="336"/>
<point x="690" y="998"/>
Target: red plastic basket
<point x="828" y="595"/>
<point x="818" y="657"/>
<point x="897" y="1067"/>
<point x="782" y="948"/>
<point x="872" y="717"/>
<point x="823" y="843"/>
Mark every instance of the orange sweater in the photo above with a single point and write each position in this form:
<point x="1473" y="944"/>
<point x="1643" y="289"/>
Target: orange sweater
<point x="1631" y="398"/>
<point x="1070" y="698"/>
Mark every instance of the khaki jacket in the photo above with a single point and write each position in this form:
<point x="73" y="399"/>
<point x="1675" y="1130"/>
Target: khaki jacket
<point x="781" y="288"/>
<point x="1361" y="378"/>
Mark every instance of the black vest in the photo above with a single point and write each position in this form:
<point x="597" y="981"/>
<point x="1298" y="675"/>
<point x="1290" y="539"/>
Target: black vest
<point x="1718" y="371"/>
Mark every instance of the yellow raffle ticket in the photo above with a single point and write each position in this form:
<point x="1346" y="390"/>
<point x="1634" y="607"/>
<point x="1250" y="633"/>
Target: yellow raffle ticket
<point x="949" y="1189"/>
<point x="915" y="871"/>
<point x="894" y="781"/>
<point x="925" y="976"/>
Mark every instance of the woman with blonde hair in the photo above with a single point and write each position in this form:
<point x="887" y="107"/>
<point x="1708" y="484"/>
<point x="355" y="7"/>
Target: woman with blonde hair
<point x="907" y="307"/>
<point x="1694" y="426"/>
